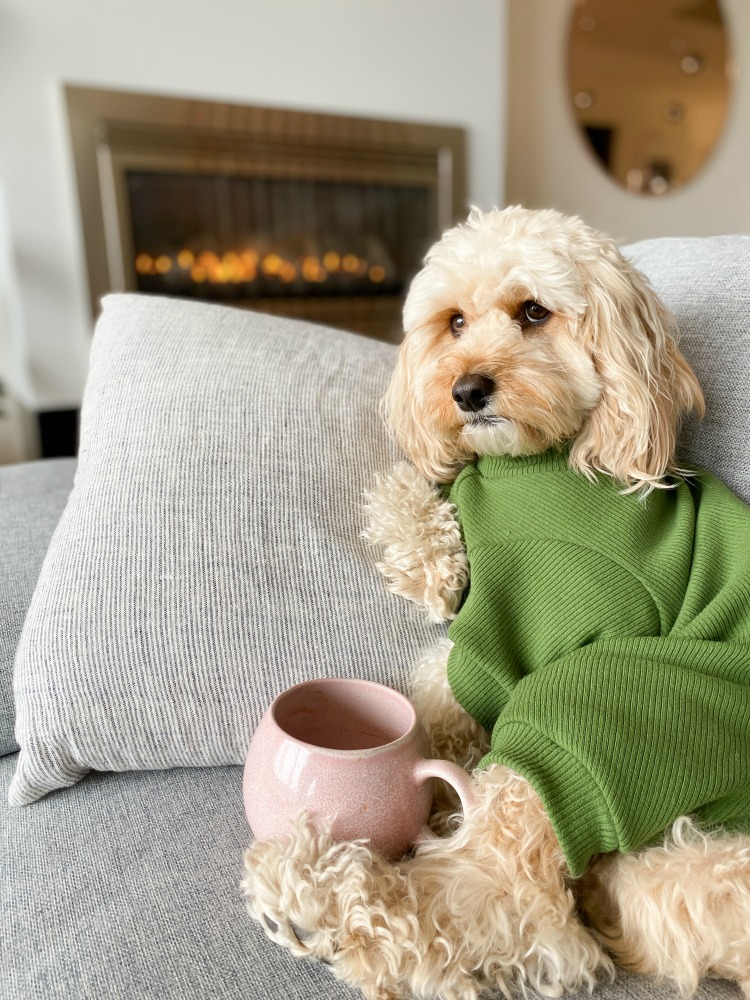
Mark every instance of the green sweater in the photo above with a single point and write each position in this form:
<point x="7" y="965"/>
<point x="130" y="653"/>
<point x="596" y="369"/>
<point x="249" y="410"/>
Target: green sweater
<point x="605" y="642"/>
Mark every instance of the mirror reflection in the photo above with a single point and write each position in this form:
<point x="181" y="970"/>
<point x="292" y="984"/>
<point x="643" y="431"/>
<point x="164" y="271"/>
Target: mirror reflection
<point x="649" y="85"/>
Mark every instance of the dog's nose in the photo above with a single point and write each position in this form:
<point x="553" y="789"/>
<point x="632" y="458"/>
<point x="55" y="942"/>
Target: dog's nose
<point x="472" y="392"/>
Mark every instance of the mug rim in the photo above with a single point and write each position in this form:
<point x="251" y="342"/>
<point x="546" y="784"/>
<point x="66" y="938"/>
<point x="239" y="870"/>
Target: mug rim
<point x="331" y="751"/>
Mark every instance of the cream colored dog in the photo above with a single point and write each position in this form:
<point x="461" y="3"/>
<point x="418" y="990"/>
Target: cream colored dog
<point x="586" y="355"/>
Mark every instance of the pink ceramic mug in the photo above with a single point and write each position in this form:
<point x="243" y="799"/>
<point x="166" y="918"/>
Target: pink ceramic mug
<point x="350" y="750"/>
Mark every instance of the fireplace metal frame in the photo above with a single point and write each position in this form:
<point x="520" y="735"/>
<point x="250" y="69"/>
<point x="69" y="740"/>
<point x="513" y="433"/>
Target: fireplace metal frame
<point x="115" y="131"/>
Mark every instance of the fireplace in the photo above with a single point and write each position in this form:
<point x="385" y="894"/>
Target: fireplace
<point x="322" y="217"/>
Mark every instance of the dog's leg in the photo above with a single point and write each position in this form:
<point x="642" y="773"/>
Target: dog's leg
<point x="680" y="911"/>
<point x="488" y="907"/>
<point x="423" y="555"/>
<point x="452" y="733"/>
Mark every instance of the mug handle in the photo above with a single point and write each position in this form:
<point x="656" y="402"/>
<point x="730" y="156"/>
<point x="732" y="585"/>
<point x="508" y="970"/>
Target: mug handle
<point x="456" y="777"/>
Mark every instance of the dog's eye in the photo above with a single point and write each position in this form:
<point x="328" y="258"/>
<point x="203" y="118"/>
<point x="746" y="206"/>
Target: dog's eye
<point x="458" y="324"/>
<point x="532" y="312"/>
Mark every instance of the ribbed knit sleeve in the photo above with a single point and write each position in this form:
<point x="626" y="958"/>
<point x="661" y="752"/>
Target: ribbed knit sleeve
<point x="634" y="739"/>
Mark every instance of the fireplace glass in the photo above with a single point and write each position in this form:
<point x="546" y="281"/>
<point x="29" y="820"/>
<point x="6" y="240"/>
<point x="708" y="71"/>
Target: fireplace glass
<point x="318" y="217"/>
<point x="236" y="238"/>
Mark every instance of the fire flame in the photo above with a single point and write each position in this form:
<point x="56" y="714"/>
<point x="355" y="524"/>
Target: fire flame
<point x="246" y="266"/>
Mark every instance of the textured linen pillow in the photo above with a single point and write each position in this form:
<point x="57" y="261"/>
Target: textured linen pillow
<point x="209" y="555"/>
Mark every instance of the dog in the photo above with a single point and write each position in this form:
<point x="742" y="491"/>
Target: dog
<point x="595" y="672"/>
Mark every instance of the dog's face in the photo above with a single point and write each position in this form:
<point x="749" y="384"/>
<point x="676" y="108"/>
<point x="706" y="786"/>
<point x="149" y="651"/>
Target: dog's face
<point x="525" y="331"/>
<point x="494" y="321"/>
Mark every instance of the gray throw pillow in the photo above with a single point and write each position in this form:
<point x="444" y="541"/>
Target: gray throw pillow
<point x="210" y="553"/>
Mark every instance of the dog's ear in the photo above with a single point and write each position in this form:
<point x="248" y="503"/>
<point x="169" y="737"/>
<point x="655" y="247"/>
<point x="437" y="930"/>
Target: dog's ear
<point x="407" y="416"/>
<point x="647" y="385"/>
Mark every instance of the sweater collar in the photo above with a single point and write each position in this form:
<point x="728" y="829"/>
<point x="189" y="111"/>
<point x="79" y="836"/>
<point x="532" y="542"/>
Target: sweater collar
<point x="552" y="460"/>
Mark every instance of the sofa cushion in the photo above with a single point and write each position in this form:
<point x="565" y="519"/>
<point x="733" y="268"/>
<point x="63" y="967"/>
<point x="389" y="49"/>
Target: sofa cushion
<point x="32" y="498"/>
<point x="210" y="553"/>
<point x="127" y="887"/>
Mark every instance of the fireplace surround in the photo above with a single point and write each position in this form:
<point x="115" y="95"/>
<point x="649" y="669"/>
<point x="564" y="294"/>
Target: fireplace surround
<point x="323" y="217"/>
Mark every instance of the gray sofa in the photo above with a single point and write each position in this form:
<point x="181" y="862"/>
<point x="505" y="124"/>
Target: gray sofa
<point x="208" y="556"/>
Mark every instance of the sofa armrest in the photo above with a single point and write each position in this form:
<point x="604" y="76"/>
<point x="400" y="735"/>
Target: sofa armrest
<point x="32" y="498"/>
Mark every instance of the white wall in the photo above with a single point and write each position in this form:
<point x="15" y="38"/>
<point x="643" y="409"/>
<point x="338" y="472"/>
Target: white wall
<point x="439" y="61"/>
<point x="549" y="165"/>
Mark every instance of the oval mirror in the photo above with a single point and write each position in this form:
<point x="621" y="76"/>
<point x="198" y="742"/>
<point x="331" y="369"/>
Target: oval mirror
<point x="650" y="88"/>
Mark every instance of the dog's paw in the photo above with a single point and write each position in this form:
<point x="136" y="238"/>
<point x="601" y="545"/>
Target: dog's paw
<point x="423" y="558"/>
<point x="446" y="577"/>
<point x="304" y="887"/>
<point x="281" y="890"/>
<point x="334" y="902"/>
<point x="566" y="960"/>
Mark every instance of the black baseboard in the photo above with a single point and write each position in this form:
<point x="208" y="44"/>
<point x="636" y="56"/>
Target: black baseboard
<point x="58" y="433"/>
